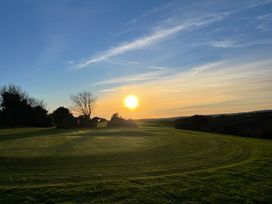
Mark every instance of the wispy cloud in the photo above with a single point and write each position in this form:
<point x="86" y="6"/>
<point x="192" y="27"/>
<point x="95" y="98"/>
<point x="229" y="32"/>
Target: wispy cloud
<point x="151" y="39"/>
<point x="148" y="76"/>
<point x="206" y="67"/>
<point x="261" y="17"/>
<point x="155" y="67"/>
<point x="109" y="90"/>
<point x="228" y="43"/>
<point x="265" y="22"/>
<point x="154" y="10"/>
<point x="159" y="73"/>
<point x="122" y="62"/>
<point x="223" y="43"/>
<point x="256" y="3"/>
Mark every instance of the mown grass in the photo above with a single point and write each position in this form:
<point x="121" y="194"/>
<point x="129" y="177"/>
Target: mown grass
<point x="143" y="165"/>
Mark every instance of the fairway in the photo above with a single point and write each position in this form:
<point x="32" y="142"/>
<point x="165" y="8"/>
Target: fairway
<point x="147" y="164"/>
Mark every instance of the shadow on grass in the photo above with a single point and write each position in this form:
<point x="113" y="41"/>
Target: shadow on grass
<point x="32" y="133"/>
<point x="71" y="132"/>
<point x="119" y="132"/>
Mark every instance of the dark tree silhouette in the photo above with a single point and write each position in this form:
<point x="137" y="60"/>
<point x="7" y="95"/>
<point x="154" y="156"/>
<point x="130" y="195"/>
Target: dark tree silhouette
<point x="1" y="119"/>
<point x="18" y="109"/>
<point x="83" y="104"/>
<point x="40" y="118"/>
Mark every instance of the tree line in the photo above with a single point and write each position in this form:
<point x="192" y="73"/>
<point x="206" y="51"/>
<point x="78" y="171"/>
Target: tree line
<point x="18" y="109"/>
<point x="253" y="124"/>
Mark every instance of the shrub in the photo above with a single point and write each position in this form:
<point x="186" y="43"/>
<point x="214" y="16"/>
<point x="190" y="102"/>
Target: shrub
<point x="118" y="121"/>
<point x="63" y="118"/>
<point x="83" y="121"/>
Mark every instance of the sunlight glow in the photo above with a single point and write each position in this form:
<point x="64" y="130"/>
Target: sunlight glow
<point x="131" y="102"/>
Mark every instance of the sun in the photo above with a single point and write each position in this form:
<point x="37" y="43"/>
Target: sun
<point x="131" y="102"/>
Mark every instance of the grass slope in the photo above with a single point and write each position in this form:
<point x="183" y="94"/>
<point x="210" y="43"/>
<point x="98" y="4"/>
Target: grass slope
<point x="144" y="165"/>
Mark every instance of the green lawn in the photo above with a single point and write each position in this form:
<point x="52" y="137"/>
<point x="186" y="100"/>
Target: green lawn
<point x="143" y="165"/>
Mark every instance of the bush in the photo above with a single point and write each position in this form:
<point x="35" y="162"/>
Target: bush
<point x="83" y="121"/>
<point x="100" y="120"/>
<point x="118" y="121"/>
<point x="63" y="118"/>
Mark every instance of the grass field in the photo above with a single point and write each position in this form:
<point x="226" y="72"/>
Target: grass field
<point x="143" y="165"/>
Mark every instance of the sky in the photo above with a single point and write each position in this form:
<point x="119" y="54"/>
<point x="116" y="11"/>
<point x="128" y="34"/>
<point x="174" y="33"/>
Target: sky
<point x="180" y="57"/>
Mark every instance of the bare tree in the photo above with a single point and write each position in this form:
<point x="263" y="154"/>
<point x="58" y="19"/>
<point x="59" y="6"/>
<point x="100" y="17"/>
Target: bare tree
<point x="84" y="103"/>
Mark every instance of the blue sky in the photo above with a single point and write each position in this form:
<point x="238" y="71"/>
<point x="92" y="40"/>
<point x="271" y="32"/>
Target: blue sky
<point x="202" y="56"/>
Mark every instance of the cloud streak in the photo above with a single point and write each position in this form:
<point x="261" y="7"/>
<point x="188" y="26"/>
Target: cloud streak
<point x="151" y="39"/>
<point x="133" y="45"/>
